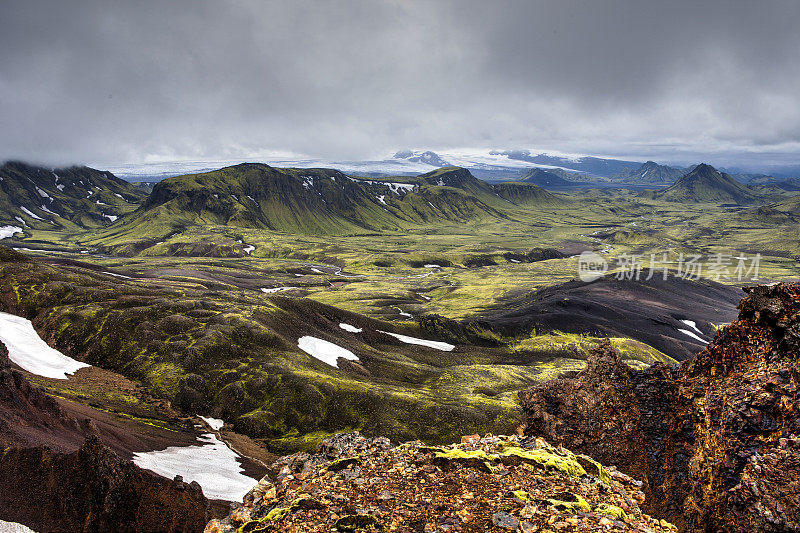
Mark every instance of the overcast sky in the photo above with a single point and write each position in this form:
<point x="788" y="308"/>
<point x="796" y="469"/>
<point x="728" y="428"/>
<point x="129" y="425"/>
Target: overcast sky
<point x="127" y="81"/>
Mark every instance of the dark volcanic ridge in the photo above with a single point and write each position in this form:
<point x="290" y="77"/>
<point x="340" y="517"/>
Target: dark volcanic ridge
<point x="649" y="311"/>
<point x="715" y="440"/>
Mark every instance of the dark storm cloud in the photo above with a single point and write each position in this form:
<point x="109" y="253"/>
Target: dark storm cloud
<point x="112" y="81"/>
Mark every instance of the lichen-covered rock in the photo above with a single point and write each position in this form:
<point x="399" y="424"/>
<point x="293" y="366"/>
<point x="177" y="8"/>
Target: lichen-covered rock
<point x="716" y="440"/>
<point x="495" y="483"/>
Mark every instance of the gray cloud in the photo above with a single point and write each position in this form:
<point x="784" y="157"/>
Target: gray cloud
<point x="113" y="81"/>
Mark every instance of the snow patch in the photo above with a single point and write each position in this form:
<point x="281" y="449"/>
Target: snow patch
<point x="444" y="346"/>
<point x="349" y="328"/>
<point x="14" y="527"/>
<point x="248" y="249"/>
<point x="212" y="464"/>
<point x="214" y="423"/>
<point x="277" y="289"/>
<point x="112" y="218"/>
<point x="30" y="214"/>
<point x="692" y="335"/>
<point x="9" y="231"/>
<point x="692" y="324"/>
<point x="27" y="349"/>
<point x="433" y="265"/>
<point x="116" y="275"/>
<point x="325" y="351"/>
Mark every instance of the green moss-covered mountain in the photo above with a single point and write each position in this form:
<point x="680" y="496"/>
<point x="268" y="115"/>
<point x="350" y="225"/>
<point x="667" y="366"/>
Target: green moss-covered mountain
<point x="68" y="198"/>
<point x="526" y="194"/>
<point x="705" y="184"/>
<point x="315" y="201"/>
<point x="546" y="179"/>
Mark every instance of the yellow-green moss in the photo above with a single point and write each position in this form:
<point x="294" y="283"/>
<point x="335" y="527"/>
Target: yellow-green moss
<point x="551" y="462"/>
<point x="570" y="506"/>
<point x="611" y="510"/>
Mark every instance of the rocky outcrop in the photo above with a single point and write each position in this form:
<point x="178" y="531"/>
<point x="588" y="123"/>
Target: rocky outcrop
<point x="54" y="478"/>
<point x="29" y="417"/>
<point x="91" y="489"/>
<point x="716" y="440"/>
<point x="482" y="484"/>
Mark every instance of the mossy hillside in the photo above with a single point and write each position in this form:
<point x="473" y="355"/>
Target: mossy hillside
<point x="66" y="198"/>
<point x="234" y="354"/>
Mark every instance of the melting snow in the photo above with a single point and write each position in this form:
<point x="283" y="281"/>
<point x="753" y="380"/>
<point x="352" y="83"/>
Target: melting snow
<point x="30" y="214"/>
<point x="692" y="324"/>
<point x="444" y="346"/>
<point x="403" y="313"/>
<point x="112" y="218"/>
<point x="9" y="231"/>
<point x="692" y="335"/>
<point x="432" y="265"/>
<point x="214" y="423"/>
<point x="213" y="465"/>
<point x="325" y="351"/>
<point x="29" y="351"/>
<point x="515" y="260"/>
<point x="349" y="328"/>
<point x="116" y="275"/>
<point x="277" y="289"/>
<point x="381" y="199"/>
<point x="249" y="248"/>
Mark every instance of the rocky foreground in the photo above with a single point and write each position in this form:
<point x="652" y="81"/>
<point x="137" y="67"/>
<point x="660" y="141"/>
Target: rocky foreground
<point x="716" y="440"/>
<point x="494" y="483"/>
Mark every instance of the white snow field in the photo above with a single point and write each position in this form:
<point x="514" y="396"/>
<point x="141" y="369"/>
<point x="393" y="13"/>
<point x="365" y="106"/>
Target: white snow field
<point x="349" y="328"/>
<point x="29" y="351"/>
<point x="212" y="464"/>
<point x="214" y="423"/>
<point x="445" y="347"/>
<point x="325" y="351"/>
<point x="9" y="231"/>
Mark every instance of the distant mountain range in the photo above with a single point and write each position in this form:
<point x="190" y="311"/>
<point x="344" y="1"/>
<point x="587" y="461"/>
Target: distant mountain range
<point x="74" y="197"/>
<point x="491" y="165"/>
<point x="651" y="173"/>
<point x="545" y="179"/>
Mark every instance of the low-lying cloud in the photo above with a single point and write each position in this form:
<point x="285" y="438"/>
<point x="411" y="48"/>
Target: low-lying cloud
<point x="110" y="81"/>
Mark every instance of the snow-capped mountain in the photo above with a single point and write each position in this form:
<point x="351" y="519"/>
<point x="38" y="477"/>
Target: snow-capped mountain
<point x="496" y="165"/>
